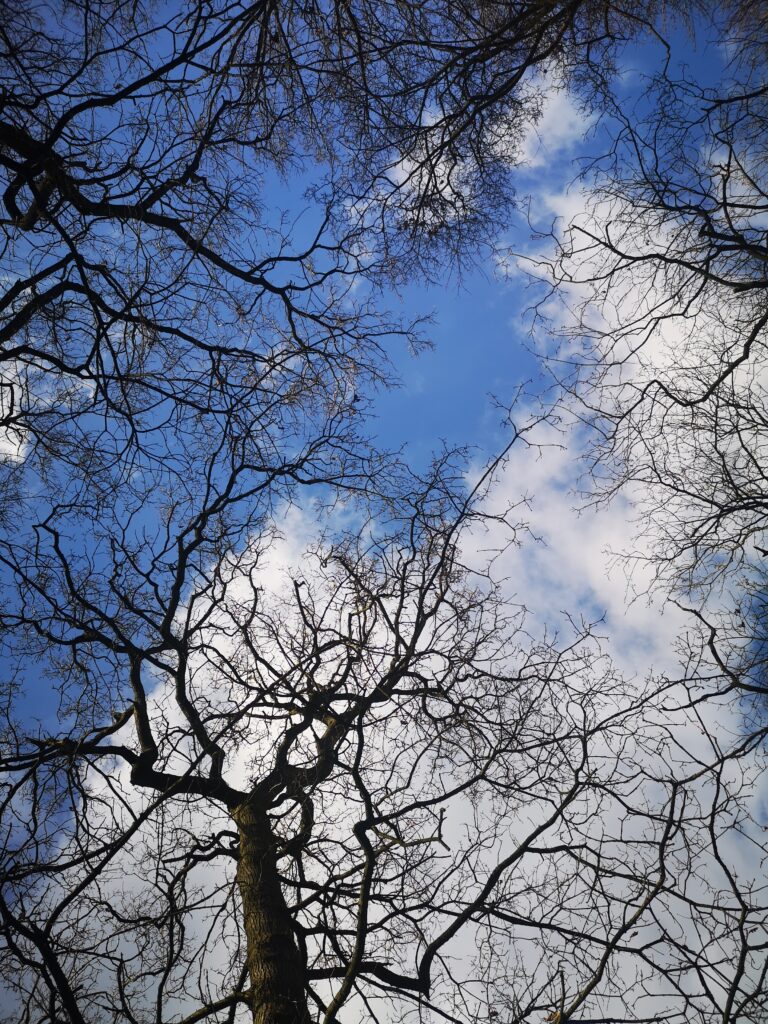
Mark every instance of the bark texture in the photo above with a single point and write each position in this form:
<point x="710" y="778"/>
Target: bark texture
<point x="275" y="964"/>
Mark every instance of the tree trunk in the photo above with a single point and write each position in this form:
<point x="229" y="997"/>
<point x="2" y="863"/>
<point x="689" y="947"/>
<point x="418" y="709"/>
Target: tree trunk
<point x="275" y="965"/>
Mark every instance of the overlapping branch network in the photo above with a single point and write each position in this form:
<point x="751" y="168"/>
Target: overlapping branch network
<point x="244" y="780"/>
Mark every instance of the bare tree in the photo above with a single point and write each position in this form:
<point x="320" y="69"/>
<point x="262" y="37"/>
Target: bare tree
<point x="369" y="790"/>
<point x="358" y="785"/>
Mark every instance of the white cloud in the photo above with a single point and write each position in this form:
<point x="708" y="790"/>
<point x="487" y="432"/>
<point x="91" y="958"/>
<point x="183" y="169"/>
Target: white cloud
<point x="557" y="132"/>
<point x="572" y="567"/>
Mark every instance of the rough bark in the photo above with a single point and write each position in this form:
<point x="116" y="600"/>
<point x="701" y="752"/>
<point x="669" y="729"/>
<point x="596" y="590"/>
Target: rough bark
<point x="275" y="964"/>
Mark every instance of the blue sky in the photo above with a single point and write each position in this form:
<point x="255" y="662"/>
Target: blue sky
<point x="479" y="351"/>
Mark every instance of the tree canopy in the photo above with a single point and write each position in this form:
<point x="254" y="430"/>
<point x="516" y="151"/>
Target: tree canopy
<point x="249" y="774"/>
